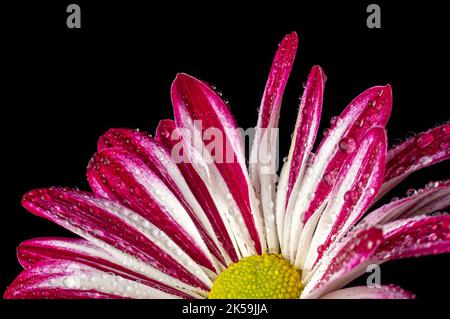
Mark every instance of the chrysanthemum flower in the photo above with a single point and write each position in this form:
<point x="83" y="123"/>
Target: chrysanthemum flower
<point x="155" y="227"/>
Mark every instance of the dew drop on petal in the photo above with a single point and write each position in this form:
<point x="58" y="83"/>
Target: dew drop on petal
<point x="347" y="145"/>
<point x="423" y="140"/>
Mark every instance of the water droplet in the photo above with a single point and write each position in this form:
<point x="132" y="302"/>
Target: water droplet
<point x="69" y="282"/>
<point x="336" y="121"/>
<point x="347" y="144"/>
<point x="423" y="140"/>
<point x="309" y="171"/>
<point x="425" y="160"/>
<point x="329" y="178"/>
<point x="311" y="158"/>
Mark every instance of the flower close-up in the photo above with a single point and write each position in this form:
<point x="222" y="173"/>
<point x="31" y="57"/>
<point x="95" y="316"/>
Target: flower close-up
<point x="182" y="213"/>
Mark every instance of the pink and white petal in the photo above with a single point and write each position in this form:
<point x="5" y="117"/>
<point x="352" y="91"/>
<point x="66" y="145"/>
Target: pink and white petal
<point x="413" y="237"/>
<point x="121" y="232"/>
<point x="159" y="160"/>
<point x="344" y="262"/>
<point x="370" y="109"/>
<point x="425" y="149"/>
<point x="168" y="135"/>
<point x="263" y="157"/>
<point x="280" y="204"/>
<point x="196" y="165"/>
<point x="306" y="126"/>
<point x="273" y="94"/>
<point x="433" y="197"/>
<point x="364" y="292"/>
<point x="356" y="187"/>
<point x="128" y="179"/>
<point x="206" y="118"/>
<point x="305" y="132"/>
<point x="433" y="206"/>
<point x="61" y="279"/>
<point x="38" y="250"/>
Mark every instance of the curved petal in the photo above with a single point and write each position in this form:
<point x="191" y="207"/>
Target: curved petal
<point x="159" y="160"/>
<point x="60" y="279"/>
<point x="344" y="262"/>
<point x="363" y="292"/>
<point x="127" y="179"/>
<point x="205" y="117"/>
<point x="413" y="237"/>
<point x="425" y="149"/>
<point x="356" y="186"/>
<point x="118" y="230"/>
<point x="371" y="108"/>
<point x="263" y="157"/>
<point x="433" y="197"/>
<point x="167" y="134"/>
<point x="38" y="250"/>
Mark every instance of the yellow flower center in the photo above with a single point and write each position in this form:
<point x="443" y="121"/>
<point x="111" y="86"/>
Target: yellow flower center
<point x="258" y="277"/>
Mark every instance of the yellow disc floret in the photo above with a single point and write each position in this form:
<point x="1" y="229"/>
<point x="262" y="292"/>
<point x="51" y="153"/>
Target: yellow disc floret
<point x="258" y="277"/>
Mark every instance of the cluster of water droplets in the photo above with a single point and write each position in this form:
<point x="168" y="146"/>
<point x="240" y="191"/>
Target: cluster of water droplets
<point x="414" y="236"/>
<point x="429" y="186"/>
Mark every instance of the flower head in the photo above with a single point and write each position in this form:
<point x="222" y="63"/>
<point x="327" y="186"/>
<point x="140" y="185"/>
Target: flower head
<point x="177" y="216"/>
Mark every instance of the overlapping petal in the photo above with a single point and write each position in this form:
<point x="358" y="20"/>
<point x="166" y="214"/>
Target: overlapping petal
<point x="413" y="237"/>
<point x="170" y="213"/>
<point x="159" y="160"/>
<point x="126" y="178"/>
<point x="433" y="197"/>
<point x="304" y="136"/>
<point x="343" y="263"/>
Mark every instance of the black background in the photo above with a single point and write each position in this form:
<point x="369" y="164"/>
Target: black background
<point x="63" y="88"/>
